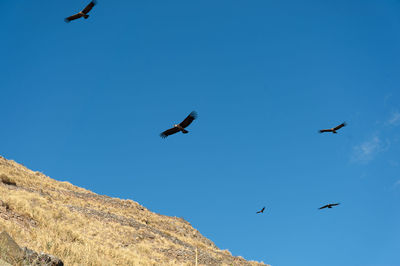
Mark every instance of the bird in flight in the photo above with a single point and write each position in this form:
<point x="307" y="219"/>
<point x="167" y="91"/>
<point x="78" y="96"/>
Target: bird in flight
<point x="181" y="126"/>
<point x="261" y="211"/>
<point x="333" y="130"/>
<point x="83" y="13"/>
<point x="329" y="206"/>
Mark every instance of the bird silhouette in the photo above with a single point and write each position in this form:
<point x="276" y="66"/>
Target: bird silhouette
<point x="333" y="130"/>
<point x="83" y="13"/>
<point x="261" y="211"/>
<point x="181" y="126"/>
<point x="329" y="206"/>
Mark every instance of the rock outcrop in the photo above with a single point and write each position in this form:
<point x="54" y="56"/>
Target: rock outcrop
<point x="12" y="254"/>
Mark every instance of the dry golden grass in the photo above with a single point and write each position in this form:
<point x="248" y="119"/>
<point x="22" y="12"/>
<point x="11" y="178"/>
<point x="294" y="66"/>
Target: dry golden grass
<point x="6" y="180"/>
<point x="83" y="228"/>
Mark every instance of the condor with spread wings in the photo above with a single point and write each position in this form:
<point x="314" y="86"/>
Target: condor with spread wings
<point x="181" y="126"/>
<point x="83" y="13"/>
<point x="261" y="211"/>
<point x="333" y="130"/>
<point x="329" y="206"/>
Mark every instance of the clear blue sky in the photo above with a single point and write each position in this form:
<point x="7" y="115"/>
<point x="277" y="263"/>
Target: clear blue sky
<point x="85" y="102"/>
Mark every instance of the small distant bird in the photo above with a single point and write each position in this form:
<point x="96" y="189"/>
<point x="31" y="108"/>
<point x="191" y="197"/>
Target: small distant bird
<point x="329" y="206"/>
<point x="333" y="130"/>
<point x="82" y="13"/>
<point x="181" y="126"/>
<point x="262" y="210"/>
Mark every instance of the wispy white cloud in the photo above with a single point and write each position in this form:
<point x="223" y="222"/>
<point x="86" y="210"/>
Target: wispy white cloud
<point x="394" y="120"/>
<point x="367" y="150"/>
<point x="380" y="141"/>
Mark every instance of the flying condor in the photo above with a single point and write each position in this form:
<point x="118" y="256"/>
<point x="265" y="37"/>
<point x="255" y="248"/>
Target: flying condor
<point x="329" y="206"/>
<point x="181" y="126"/>
<point x="83" y="13"/>
<point x="333" y="130"/>
<point x="261" y="211"/>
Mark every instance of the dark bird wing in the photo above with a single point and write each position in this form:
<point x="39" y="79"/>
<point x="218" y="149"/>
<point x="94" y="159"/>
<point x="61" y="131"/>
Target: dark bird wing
<point x="189" y="119"/>
<point x="89" y="7"/>
<point x="325" y="130"/>
<point x="334" y="204"/>
<point x="323" y="207"/>
<point x="340" y="126"/>
<point x="168" y="132"/>
<point x="73" y="17"/>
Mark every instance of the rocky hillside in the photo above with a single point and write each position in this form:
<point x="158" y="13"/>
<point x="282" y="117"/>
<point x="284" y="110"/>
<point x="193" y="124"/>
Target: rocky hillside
<point x="83" y="228"/>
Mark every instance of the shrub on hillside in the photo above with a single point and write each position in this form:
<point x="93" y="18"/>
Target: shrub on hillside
<point x="7" y="180"/>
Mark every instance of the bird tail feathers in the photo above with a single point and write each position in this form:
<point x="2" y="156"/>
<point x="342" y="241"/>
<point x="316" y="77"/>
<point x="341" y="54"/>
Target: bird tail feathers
<point x="184" y="131"/>
<point x="86" y="16"/>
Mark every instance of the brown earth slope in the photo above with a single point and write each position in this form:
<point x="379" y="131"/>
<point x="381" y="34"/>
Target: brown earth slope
<point x="83" y="228"/>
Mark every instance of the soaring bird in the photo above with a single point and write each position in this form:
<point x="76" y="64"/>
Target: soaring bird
<point x="82" y="13"/>
<point x="262" y="210"/>
<point x="181" y="126"/>
<point x="333" y="130"/>
<point x="329" y="206"/>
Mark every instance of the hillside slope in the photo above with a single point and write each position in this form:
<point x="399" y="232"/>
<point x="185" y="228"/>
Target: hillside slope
<point x="83" y="228"/>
